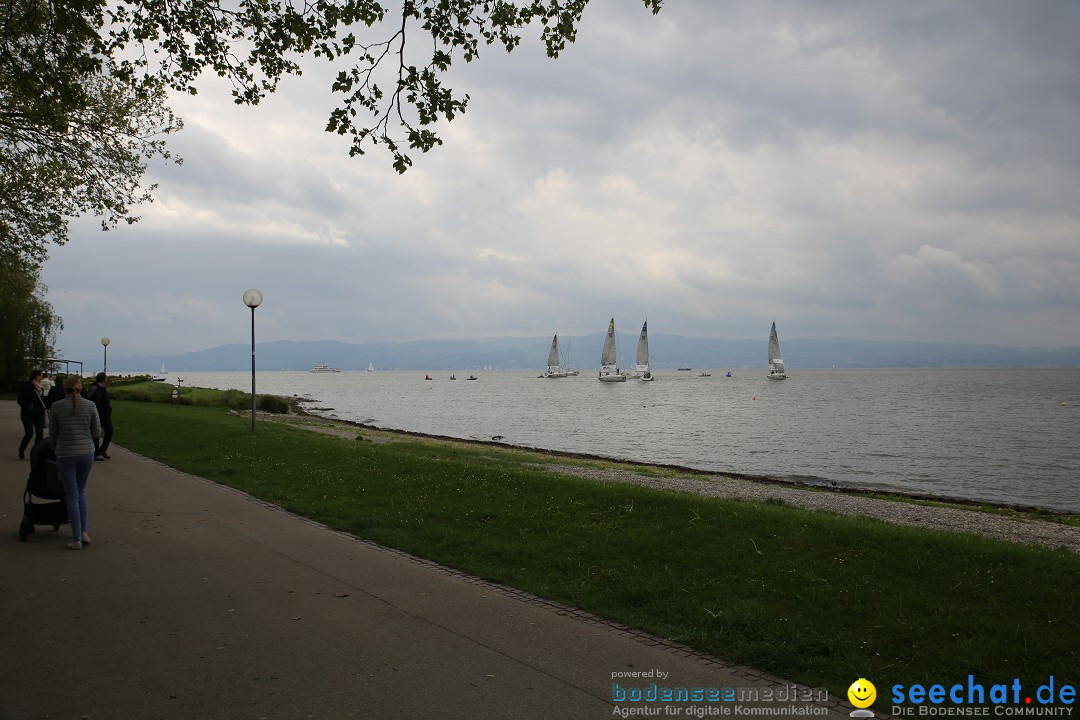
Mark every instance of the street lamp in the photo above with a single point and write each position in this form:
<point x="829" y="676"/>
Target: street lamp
<point x="105" y="361"/>
<point x="253" y="299"/>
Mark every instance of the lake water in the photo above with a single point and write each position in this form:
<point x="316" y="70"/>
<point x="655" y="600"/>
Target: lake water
<point x="1002" y="436"/>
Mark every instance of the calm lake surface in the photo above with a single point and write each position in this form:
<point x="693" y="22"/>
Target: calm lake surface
<point x="1002" y="436"/>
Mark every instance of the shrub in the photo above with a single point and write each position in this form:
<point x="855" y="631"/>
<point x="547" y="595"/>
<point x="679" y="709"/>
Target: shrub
<point x="138" y="394"/>
<point x="273" y="404"/>
<point x="236" y="399"/>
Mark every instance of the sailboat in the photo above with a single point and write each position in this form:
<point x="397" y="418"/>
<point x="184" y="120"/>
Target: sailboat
<point x="371" y="367"/>
<point x="553" y="369"/>
<point x="642" y="358"/>
<point x="567" y="367"/>
<point x="161" y="377"/>
<point x="776" y="360"/>
<point x="609" y="372"/>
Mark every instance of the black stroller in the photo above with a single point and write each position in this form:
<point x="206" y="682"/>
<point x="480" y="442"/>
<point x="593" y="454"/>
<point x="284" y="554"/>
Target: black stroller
<point x="44" y="483"/>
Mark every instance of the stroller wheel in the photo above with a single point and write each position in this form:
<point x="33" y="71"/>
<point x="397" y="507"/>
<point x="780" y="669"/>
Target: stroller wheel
<point x="25" y="528"/>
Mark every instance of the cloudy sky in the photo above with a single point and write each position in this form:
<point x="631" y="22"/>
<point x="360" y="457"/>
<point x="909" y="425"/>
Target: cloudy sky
<point x="904" y="171"/>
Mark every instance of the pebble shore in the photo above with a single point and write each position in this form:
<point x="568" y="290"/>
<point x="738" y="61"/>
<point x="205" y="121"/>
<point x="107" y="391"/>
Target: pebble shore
<point x="955" y="519"/>
<point x="1024" y="530"/>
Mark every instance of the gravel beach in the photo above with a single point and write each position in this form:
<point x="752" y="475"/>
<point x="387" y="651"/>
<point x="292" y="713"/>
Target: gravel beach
<point x="1024" y="529"/>
<point x="956" y="519"/>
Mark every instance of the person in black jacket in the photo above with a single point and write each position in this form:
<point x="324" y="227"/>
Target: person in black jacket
<point x="99" y="393"/>
<point x="31" y="411"/>
<point x="56" y="392"/>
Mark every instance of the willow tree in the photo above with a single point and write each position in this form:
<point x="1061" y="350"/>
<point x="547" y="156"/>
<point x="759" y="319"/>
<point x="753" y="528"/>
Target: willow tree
<point x="28" y="325"/>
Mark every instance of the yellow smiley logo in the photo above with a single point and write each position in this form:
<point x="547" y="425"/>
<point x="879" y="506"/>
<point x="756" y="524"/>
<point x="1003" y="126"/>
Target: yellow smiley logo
<point x="862" y="693"/>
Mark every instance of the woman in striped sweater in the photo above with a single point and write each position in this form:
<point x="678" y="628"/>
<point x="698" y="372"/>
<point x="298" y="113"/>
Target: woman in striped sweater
<point x="73" y="428"/>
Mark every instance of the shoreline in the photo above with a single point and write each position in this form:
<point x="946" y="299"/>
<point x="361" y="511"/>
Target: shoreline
<point x="952" y="515"/>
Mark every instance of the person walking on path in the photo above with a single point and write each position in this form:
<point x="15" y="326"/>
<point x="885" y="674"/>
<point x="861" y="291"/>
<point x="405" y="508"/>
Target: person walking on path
<point x="99" y="393"/>
<point x="56" y="392"/>
<point x="74" y="428"/>
<point x="31" y="411"/>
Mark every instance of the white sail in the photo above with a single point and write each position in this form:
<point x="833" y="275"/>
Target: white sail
<point x="553" y="369"/>
<point x="608" y="355"/>
<point x="776" y="360"/>
<point x="642" y="358"/>
<point x="609" y="371"/>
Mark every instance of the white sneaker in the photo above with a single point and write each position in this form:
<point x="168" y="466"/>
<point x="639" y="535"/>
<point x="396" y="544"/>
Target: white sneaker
<point x="76" y="545"/>
<point x="85" y="539"/>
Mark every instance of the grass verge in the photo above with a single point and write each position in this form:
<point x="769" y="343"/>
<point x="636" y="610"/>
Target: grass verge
<point x="141" y="389"/>
<point x="818" y="598"/>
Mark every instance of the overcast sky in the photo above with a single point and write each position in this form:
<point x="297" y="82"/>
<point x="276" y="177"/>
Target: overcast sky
<point x="905" y="171"/>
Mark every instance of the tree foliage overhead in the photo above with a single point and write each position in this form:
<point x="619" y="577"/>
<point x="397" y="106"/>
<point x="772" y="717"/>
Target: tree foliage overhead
<point x="74" y="137"/>
<point x="388" y="98"/>
<point x="83" y="83"/>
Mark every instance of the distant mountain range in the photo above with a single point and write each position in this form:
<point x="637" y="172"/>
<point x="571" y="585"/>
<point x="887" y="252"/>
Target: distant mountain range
<point x="666" y="351"/>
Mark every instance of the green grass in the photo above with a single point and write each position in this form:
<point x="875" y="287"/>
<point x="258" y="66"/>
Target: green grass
<point x="139" y="388"/>
<point x="817" y="598"/>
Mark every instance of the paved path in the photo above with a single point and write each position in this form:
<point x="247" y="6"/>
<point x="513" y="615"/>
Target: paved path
<point x="199" y="602"/>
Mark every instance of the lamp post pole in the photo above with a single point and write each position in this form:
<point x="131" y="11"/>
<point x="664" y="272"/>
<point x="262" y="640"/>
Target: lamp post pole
<point x="105" y="361"/>
<point x="253" y="298"/>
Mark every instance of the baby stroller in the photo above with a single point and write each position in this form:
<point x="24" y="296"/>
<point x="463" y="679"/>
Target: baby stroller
<point x="44" y="483"/>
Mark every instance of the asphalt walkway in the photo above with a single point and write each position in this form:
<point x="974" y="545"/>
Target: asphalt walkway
<point x="196" y="601"/>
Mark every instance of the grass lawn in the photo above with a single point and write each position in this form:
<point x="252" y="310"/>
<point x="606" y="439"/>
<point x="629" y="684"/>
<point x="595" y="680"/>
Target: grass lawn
<point x="817" y="598"/>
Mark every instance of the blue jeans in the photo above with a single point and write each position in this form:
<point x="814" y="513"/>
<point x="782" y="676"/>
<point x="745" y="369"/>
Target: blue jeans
<point x="74" y="472"/>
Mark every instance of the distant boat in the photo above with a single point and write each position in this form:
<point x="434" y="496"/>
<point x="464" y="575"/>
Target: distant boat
<point x="553" y="369"/>
<point x="323" y="369"/>
<point x="685" y="369"/>
<point x="642" y="357"/>
<point x="609" y="371"/>
<point x="453" y="377"/>
<point x="370" y="367"/>
<point x="705" y="374"/>
<point x="776" y="360"/>
<point x="471" y="377"/>
<point x="567" y="368"/>
<point x="727" y="374"/>
<point x="427" y="377"/>
<point x="161" y="377"/>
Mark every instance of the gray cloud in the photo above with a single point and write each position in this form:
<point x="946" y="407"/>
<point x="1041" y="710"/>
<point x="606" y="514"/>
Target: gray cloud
<point x="904" y="171"/>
